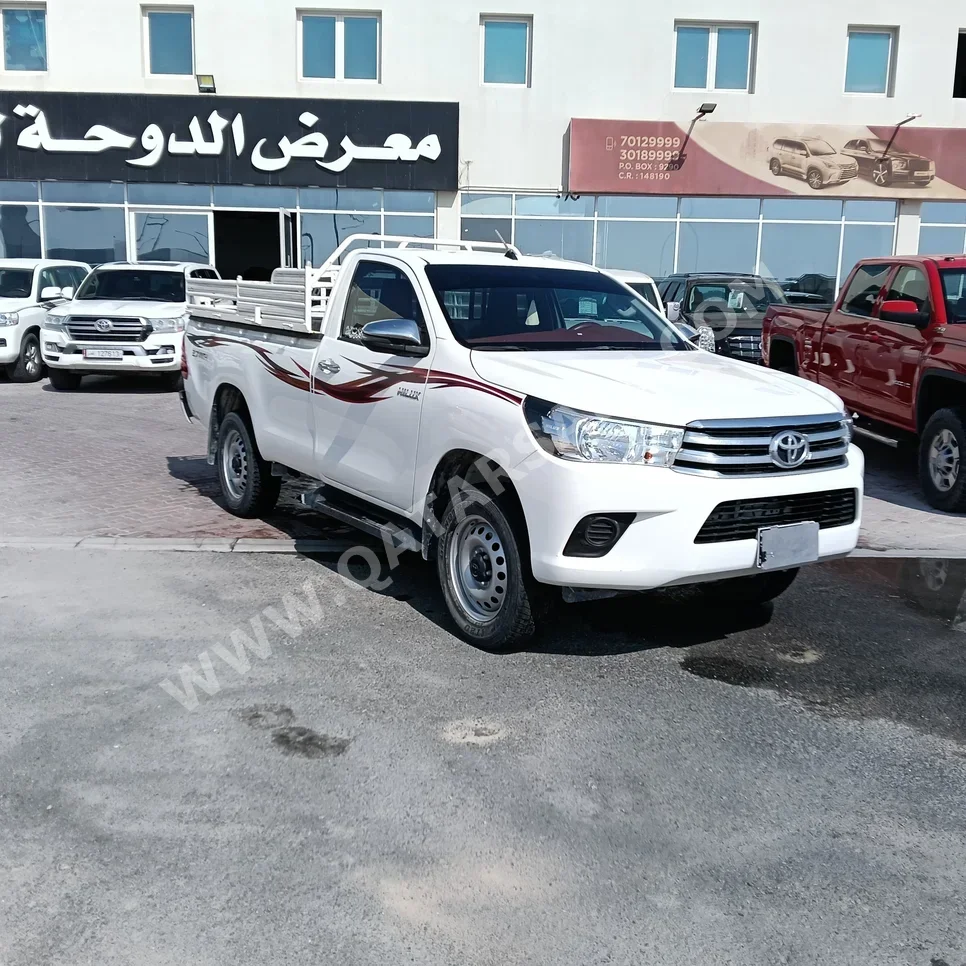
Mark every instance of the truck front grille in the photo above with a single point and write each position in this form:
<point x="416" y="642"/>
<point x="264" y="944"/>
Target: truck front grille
<point x="744" y="347"/>
<point x="85" y="329"/>
<point x="741" y="519"/>
<point x="741" y="447"/>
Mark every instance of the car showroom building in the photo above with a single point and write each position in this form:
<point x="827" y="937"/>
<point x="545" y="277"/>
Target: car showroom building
<point x="739" y="135"/>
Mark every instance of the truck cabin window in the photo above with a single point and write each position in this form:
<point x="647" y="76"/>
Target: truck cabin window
<point x="647" y="290"/>
<point x="541" y="309"/>
<point x="866" y="285"/>
<point x="749" y="298"/>
<point x="954" y="289"/>
<point x="134" y="285"/>
<point x="15" y="284"/>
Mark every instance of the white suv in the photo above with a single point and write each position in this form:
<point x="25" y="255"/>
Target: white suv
<point x="29" y="288"/>
<point x="124" y="318"/>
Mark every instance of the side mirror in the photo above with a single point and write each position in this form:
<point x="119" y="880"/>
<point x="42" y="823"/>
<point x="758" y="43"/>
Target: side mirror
<point x="67" y="292"/>
<point x="401" y="336"/>
<point x="50" y="293"/>
<point x="903" y="311"/>
<point x="673" y="311"/>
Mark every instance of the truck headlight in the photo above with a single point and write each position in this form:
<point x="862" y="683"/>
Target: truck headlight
<point x="9" y="318"/>
<point x="588" y="438"/>
<point x="55" y="323"/>
<point x="175" y="324"/>
<point x="900" y="164"/>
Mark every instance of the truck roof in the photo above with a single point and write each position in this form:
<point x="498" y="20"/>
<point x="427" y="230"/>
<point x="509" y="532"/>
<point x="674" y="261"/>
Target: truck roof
<point x="425" y="256"/>
<point x="159" y="266"/>
<point x="32" y="263"/>
<point x="942" y="261"/>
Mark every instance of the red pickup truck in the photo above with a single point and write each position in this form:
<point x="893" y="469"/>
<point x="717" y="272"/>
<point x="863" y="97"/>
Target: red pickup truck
<point x="894" y="348"/>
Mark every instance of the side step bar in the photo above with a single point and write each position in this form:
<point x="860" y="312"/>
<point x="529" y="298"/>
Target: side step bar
<point x="878" y="437"/>
<point x="391" y="534"/>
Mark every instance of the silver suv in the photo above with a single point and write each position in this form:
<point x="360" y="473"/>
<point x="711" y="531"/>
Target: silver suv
<point x="813" y="159"/>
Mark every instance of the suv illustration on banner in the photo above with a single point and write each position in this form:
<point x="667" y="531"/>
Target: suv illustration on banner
<point x="813" y="159"/>
<point x="889" y="167"/>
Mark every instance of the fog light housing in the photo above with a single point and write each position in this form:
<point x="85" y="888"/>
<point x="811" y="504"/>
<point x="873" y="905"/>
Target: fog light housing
<point x="596" y="535"/>
<point x="166" y="350"/>
<point x="52" y="347"/>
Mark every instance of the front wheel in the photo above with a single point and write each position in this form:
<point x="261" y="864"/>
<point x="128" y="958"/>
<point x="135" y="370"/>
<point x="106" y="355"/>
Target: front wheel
<point x="64" y="380"/>
<point x="942" y="449"/>
<point x="815" y="179"/>
<point x="30" y="366"/>
<point x="881" y="175"/>
<point x="247" y="484"/>
<point x="749" y="591"/>
<point x="485" y="578"/>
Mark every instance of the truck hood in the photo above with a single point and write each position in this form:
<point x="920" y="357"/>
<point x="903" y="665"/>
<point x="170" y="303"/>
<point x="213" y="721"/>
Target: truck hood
<point x="674" y="388"/>
<point x="840" y="160"/>
<point x="15" y="305"/>
<point x="120" y="308"/>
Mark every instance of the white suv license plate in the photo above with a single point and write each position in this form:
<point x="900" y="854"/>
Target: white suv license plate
<point x="780" y="548"/>
<point x="103" y="353"/>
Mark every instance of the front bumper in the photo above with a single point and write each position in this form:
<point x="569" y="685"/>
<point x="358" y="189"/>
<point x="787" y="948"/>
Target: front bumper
<point x="10" y="337"/>
<point x="658" y="548"/>
<point x="159" y="352"/>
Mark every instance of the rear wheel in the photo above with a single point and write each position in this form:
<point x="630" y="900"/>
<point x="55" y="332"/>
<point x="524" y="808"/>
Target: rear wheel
<point x="485" y="577"/>
<point x="749" y="591"/>
<point x="942" y="460"/>
<point x="776" y="167"/>
<point x="247" y="484"/>
<point x="63" y="379"/>
<point x="30" y="366"/>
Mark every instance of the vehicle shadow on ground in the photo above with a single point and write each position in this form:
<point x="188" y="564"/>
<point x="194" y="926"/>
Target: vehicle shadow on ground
<point x="116" y="386"/>
<point x="621" y="625"/>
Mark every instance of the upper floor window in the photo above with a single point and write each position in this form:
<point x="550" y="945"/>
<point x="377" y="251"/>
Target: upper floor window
<point x="170" y="41"/>
<point x="871" y="56"/>
<point x="340" y="46"/>
<point x="25" y="38"/>
<point x="714" y="57"/>
<point x="959" y="77"/>
<point x="506" y="50"/>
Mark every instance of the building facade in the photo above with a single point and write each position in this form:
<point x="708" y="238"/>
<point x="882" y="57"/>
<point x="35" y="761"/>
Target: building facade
<point x="572" y="129"/>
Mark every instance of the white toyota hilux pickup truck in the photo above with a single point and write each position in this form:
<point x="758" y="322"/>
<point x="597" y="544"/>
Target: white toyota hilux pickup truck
<point x="525" y="425"/>
<point x="125" y="318"/>
<point x="29" y="289"/>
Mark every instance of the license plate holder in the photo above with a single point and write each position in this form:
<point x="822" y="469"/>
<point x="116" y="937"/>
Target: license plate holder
<point x="786" y="546"/>
<point x="103" y="353"/>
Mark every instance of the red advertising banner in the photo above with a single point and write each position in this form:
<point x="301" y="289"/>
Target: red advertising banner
<point x="709" y="158"/>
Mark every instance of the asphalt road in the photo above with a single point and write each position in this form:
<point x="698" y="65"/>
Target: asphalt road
<point x="650" y="784"/>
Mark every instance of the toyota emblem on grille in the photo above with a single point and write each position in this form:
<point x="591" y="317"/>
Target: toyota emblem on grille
<point x="104" y="325"/>
<point x="788" y="449"/>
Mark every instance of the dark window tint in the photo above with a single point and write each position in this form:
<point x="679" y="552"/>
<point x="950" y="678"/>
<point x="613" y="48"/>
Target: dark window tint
<point x="864" y="289"/>
<point x="64" y="277"/>
<point x="204" y="273"/>
<point x="379" y="292"/>
<point x="954" y="289"/>
<point x="15" y="284"/>
<point x="910" y="285"/>
<point x="134" y="284"/>
<point x="47" y="280"/>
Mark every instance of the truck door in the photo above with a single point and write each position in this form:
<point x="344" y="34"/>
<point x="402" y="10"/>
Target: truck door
<point x="845" y="331"/>
<point x="367" y="403"/>
<point x="890" y="354"/>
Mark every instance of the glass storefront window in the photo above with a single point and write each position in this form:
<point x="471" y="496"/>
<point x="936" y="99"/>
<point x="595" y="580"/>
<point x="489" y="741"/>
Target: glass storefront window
<point x="342" y="199"/>
<point x="169" y="194"/>
<point x="166" y="236"/>
<point x="553" y="205"/>
<point x="720" y="208"/>
<point x="643" y="246"/>
<point x="717" y="247"/>
<point x="18" y="190"/>
<point x="636" y="206"/>
<point x="790" y="252"/>
<point x="83" y="192"/>
<point x="560" y="237"/>
<point x="485" y="229"/>
<point x="864" y="241"/>
<point x="878" y="211"/>
<point x="948" y="240"/>
<point x="801" y="209"/>
<point x="422" y="226"/>
<point x="20" y="231"/>
<point x="943" y="213"/>
<point x="424" y="201"/>
<point x="321" y="234"/>
<point x="252" y="196"/>
<point x="92" y="235"/>
<point x="486" y="204"/>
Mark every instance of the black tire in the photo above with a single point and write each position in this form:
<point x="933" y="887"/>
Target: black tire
<point x="63" y="380"/>
<point x="515" y="599"/>
<point x="942" y="460"/>
<point x="30" y="366"/>
<point x="881" y="175"/>
<point x="247" y="485"/>
<point x="749" y="591"/>
<point x="776" y="167"/>
<point x="815" y="179"/>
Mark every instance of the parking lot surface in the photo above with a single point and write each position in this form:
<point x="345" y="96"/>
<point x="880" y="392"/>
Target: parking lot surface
<point x="118" y="459"/>
<point x="646" y="785"/>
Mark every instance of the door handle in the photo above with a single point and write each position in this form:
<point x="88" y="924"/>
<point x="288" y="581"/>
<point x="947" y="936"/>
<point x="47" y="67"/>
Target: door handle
<point x="328" y="365"/>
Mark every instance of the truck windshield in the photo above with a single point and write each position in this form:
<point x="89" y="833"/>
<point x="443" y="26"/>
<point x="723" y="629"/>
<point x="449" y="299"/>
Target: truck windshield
<point x="750" y="297"/>
<point x="543" y="309"/>
<point x="15" y="284"/>
<point x="954" y="288"/>
<point x="134" y="285"/>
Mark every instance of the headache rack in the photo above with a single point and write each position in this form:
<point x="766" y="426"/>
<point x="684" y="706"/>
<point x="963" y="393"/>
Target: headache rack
<point x="296" y="298"/>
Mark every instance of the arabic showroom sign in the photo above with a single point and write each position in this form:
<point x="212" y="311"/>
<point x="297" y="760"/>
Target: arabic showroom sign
<point x="217" y="140"/>
<point x="762" y="160"/>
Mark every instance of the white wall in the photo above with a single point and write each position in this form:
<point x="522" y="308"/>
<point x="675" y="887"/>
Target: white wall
<point x="606" y="58"/>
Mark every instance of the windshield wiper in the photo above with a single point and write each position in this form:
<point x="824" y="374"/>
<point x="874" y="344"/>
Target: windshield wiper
<point x="508" y="347"/>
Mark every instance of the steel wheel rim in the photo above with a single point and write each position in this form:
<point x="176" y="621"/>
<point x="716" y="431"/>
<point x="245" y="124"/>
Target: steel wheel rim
<point x="478" y="569"/>
<point x="31" y="358"/>
<point x="234" y="464"/>
<point x="944" y="458"/>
